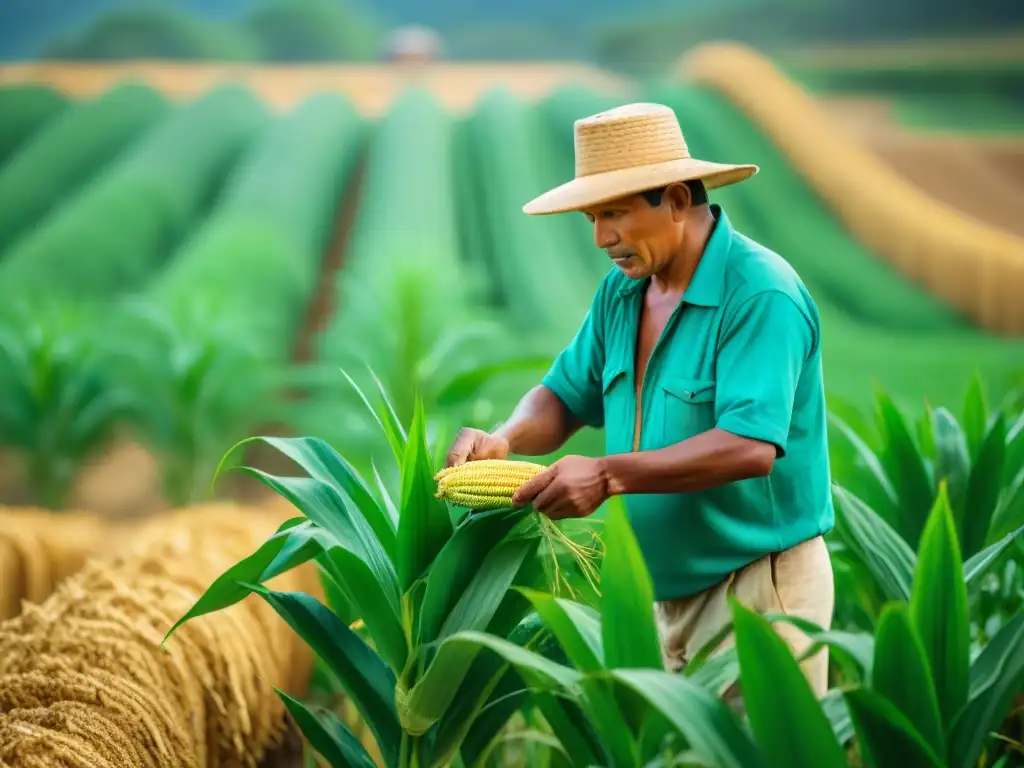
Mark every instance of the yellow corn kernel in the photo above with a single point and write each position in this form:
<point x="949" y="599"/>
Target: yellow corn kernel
<point x="484" y="484"/>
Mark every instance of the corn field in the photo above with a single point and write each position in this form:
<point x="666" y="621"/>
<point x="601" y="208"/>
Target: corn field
<point x="284" y="316"/>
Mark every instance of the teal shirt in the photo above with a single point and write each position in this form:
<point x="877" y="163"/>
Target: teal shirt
<point x="742" y="353"/>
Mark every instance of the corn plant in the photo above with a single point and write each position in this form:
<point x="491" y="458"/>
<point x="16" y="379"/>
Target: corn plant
<point x="916" y="694"/>
<point x="61" y="403"/>
<point x="205" y="387"/>
<point x="889" y="478"/>
<point x="414" y="572"/>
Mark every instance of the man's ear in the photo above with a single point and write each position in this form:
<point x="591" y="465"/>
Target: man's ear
<point x="678" y="198"/>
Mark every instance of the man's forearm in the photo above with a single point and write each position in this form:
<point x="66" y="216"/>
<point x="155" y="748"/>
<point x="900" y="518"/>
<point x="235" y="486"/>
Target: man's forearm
<point x="540" y="424"/>
<point x="704" y="461"/>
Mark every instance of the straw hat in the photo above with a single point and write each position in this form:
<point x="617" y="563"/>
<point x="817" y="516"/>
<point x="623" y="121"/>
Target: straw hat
<point x="627" y="150"/>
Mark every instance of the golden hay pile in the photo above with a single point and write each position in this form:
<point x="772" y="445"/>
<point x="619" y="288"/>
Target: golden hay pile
<point x="84" y="682"/>
<point x="40" y="548"/>
<point x="975" y="268"/>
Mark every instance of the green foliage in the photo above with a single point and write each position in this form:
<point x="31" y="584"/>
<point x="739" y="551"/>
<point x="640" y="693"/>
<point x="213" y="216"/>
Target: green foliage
<point x="71" y="148"/>
<point x="26" y="110"/>
<point x="212" y="366"/>
<point x="548" y="291"/>
<point x="62" y="401"/>
<point x="416" y="580"/>
<point x="273" y="30"/>
<point x="154" y="31"/>
<point x="408" y="304"/>
<point x="117" y="228"/>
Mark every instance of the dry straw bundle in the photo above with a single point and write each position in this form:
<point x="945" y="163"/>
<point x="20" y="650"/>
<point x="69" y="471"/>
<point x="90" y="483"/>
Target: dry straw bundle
<point x="84" y="682"/>
<point x="39" y="549"/>
<point x="975" y="268"/>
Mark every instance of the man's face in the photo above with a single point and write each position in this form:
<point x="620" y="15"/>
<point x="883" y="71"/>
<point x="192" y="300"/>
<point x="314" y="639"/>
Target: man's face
<point x="639" y="238"/>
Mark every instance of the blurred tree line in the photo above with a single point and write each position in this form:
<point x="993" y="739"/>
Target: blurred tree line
<point x="637" y="38"/>
<point x="271" y="30"/>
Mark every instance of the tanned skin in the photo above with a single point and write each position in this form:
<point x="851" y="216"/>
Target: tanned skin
<point x="664" y="242"/>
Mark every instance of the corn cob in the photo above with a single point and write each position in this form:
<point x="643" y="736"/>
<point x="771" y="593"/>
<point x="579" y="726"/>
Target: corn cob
<point x="484" y="484"/>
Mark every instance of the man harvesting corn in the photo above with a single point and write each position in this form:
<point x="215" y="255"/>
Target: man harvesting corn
<point x="701" y="358"/>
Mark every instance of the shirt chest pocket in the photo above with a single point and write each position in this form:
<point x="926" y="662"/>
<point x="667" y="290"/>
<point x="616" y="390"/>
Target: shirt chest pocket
<point x="689" y="408"/>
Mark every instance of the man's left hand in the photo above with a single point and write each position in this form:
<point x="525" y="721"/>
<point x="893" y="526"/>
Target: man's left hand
<point x="573" y="486"/>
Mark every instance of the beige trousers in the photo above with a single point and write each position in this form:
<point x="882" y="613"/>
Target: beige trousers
<point x="797" y="582"/>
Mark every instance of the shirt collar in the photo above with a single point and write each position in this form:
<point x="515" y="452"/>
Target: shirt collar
<point x="708" y="283"/>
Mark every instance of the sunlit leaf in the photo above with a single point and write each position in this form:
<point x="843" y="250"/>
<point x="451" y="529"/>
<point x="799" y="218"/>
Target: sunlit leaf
<point x="938" y="607"/>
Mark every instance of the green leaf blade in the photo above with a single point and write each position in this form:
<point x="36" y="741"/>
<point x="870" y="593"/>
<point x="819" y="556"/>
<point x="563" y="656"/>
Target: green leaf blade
<point x="903" y="675"/>
<point x="886" y="736"/>
<point x="709" y="726"/>
<point x="629" y="634"/>
<point x="787" y="721"/>
<point x="424" y="525"/>
<point x="938" y="609"/>
<point x="327" y="734"/>
<point x="997" y="675"/>
<point x="363" y="674"/>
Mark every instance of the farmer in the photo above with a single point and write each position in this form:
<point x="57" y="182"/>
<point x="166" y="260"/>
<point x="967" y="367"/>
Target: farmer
<point x="701" y="358"/>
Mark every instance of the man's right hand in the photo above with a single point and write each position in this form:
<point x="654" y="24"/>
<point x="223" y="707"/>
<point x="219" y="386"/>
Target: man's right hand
<point x="475" y="444"/>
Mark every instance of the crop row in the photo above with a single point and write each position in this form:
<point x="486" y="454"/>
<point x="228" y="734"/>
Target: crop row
<point x="69" y="149"/>
<point x="116" y="229"/>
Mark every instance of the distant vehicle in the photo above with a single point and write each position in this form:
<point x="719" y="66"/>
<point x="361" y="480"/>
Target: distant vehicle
<point x="413" y="43"/>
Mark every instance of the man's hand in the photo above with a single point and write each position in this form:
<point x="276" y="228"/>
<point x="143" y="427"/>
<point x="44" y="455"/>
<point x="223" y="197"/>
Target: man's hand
<point x="573" y="486"/>
<point x="473" y="445"/>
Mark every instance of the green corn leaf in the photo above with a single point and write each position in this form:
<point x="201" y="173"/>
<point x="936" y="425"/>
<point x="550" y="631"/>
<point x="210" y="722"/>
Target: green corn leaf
<point x="570" y="725"/>
<point x="537" y="671"/>
<point x="905" y="465"/>
<point x="458" y="561"/>
<point x="788" y="723"/>
<point x="577" y="627"/>
<point x="327" y="734"/>
<point x="352" y="577"/>
<point x="323" y="504"/>
<point x="978" y="564"/>
<point x="1009" y="514"/>
<point x="865" y="469"/>
<point x="952" y="457"/>
<point x="506" y="698"/>
<point x="296" y="541"/>
<point x="718" y="670"/>
<point x="983" y="489"/>
<point x="975" y="416"/>
<point x="926" y="431"/>
<point x="628" y="631"/>
<point x="838" y="715"/>
<point x="903" y="676"/>
<point x="708" y="725"/>
<point x="886" y="736"/>
<point x="322" y="462"/>
<point x="938" y="608"/>
<point x="487" y="669"/>
<point x="885" y="553"/>
<point x="395" y="435"/>
<point x="424" y="525"/>
<point x="426" y="703"/>
<point x="363" y="674"/>
<point x="486" y="591"/>
<point x="997" y="675"/>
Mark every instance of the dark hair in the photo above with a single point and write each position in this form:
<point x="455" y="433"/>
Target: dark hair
<point x="698" y="194"/>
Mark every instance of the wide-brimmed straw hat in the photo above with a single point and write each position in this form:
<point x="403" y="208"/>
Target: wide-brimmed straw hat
<point x="627" y="150"/>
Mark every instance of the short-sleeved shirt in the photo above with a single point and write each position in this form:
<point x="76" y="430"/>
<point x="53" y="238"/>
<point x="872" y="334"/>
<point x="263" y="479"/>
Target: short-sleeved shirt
<point x="741" y="352"/>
